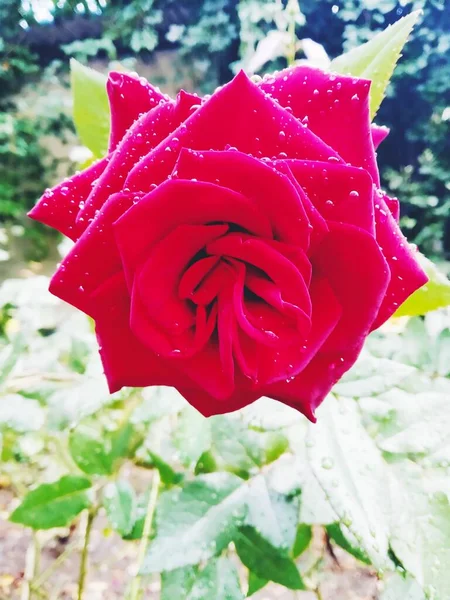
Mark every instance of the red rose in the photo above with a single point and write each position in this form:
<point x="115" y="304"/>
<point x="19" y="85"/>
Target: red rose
<point x="236" y="246"/>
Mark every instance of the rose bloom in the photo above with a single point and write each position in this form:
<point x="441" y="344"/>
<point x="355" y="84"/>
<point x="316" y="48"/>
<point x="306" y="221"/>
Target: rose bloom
<point x="234" y="246"/>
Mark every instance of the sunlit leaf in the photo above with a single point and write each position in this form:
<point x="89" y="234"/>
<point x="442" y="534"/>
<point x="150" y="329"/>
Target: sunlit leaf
<point x="434" y="294"/>
<point x="90" y="107"/>
<point x="376" y="59"/>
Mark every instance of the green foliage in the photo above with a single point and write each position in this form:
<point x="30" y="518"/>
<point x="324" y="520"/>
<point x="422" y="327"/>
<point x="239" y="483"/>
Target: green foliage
<point x="372" y="473"/>
<point x="53" y="504"/>
<point x="119" y="500"/>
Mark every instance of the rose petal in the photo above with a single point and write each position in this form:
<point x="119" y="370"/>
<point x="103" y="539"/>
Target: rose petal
<point x="379" y="134"/>
<point x="358" y="273"/>
<point x="178" y="202"/>
<point x="145" y="133"/>
<point x="158" y="279"/>
<point x="93" y="259"/>
<point x="406" y="274"/>
<point x="129" y="97"/>
<point x="341" y="193"/>
<point x="318" y="223"/>
<point x="272" y="192"/>
<point x="260" y="127"/>
<point x="275" y="365"/>
<point x="263" y="256"/>
<point x="336" y="108"/>
<point x="59" y="207"/>
<point x="394" y="206"/>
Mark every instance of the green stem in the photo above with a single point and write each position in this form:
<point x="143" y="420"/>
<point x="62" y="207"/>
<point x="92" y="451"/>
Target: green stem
<point x="153" y="497"/>
<point x="32" y="566"/>
<point x="85" y="552"/>
<point x="292" y="9"/>
<point x="292" y="50"/>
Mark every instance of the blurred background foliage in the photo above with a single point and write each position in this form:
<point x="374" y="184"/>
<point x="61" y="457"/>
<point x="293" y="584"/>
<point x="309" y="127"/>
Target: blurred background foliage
<point x="203" y="42"/>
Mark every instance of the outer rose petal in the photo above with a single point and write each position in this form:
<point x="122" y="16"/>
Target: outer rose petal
<point x="336" y="107"/>
<point x="59" y="207"/>
<point x="93" y="259"/>
<point x="394" y="206"/>
<point x="146" y="133"/>
<point x="353" y="264"/>
<point x="379" y="134"/>
<point x="260" y="127"/>
<point x="406" y="274"/>
<point x="129" y="97"/>
<point x="126" y="361"/>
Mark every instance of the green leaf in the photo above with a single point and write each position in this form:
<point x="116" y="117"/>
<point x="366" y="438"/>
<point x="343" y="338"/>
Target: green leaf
<point x="420" y="536"/>
<point x="177" y="583"/>
<point x="398" y="587"/>
<point x="273" y="514"/>
<point x="335" y="533"/>
<point x="89" y="452"/>
<point x="140" y="512"/>
<point x="196" y="522"/>
<point x="421" y="425"/>
<point x="433" y="295"/>
<point x="255" y="583"/>
<point x="123" y="442"/>
<point x="229" y="447"/>
<point x="90" y="107"/>
<point x="192" y="435"/>
<point x="376" y="59"/>
<point x="53" y="504"/>
<point x="371" y="376"/>
<point x="240" y="449"/>
<point x="264" y="543"/>
<point x="303" y="538"/>
<point x="119" y="501"/>
<point x="158" y="402"/>
<point x="97" y="452"/>
<point x="168" y="475"/>
<point x="351" y="470"/>
<point x="219" y="580"/>
<point x="265" y="561"/>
